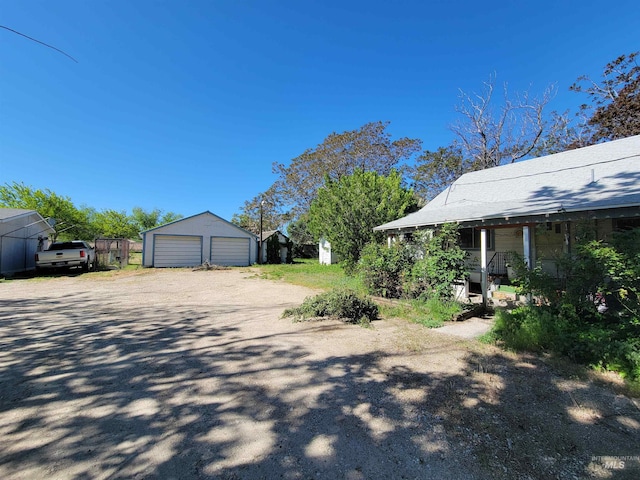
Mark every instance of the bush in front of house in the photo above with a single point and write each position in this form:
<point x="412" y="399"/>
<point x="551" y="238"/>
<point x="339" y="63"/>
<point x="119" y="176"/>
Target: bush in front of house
<point x="341" y="304"/>
<point x="443" y="262"/>
<point x="424" y="268"/>
<point x="384" y="270"/>
<point x="592" y="315"/>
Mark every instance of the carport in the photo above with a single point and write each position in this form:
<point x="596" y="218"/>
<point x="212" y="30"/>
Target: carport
<point x="22" y="233"/>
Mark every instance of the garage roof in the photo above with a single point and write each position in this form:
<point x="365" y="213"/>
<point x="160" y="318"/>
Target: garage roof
<point x="207" y="212"/>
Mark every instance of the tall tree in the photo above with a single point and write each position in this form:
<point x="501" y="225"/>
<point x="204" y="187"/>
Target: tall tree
<point x="369" y="148"/>
<point x="491" y="131"/>
<point x="68" y="221"/>
<point x="614" y="109"/>
<point x="114" y="224"/>
<point x="490" y="135"/>
<point x="436" y="169"/>
<point x="347" y="209"/>
<point x="264" y="205"/>
<point x="144" y="220"/>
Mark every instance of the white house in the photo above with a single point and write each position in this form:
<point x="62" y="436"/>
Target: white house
<point x="536" y="207"/>
<point x="22" y="234"/>
<point x="191" y="241"/>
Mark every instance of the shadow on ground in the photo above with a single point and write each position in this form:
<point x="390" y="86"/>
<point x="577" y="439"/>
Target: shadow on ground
<point x="104" y="390"/>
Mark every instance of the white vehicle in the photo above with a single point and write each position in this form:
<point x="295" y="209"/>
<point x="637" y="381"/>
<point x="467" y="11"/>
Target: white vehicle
<point x="67" y="254"/>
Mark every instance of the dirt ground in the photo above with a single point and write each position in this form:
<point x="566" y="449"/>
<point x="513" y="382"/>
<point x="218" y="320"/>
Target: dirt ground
<point x="187" y="375"/>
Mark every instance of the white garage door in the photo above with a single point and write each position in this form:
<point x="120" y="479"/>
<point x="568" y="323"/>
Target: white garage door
<point x="230" y="251"/>
<point x="177" y="251"/>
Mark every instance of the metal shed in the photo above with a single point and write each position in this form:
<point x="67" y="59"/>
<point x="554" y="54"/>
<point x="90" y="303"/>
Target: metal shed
<point x="191" y="241"/>
<point x="22" y="233"/>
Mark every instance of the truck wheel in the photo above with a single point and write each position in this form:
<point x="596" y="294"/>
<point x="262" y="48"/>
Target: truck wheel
<point x="85" y="267"/>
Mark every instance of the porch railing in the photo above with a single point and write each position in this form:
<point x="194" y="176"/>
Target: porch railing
<point x="498" y="264"/>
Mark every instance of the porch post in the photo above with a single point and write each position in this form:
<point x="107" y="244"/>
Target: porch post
<point x="483" y="265"/>
<point x="526" y="245"/>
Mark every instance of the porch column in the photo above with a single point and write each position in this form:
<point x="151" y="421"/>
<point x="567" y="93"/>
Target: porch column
<point x="483" y="265"/>
<point x="526" y="245"/>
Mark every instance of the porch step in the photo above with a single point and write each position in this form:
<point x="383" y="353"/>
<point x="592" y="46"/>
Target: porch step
<point x="499" y="295"/>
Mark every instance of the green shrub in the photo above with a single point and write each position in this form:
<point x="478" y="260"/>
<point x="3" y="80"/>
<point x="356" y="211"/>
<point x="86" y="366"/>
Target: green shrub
<point x="383" y="269"/>
<point x="425" y="268"/>
<point x="591" y="313"/>
<point x="443" y="263"/>
<point x="542" y="328"/>
<point x="273" y="249"/>
<point x="342" y="304"/>
<point x="529" y="328"/>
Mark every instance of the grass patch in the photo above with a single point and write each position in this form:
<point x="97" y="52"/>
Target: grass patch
<point x="135" y="261"/>
<point x="431" y="313"/>
<point x="309" y="273"/>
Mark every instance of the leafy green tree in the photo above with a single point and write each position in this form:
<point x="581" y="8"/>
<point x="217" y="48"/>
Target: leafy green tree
<point x="369" y="148"/>
<point x="346" y="210"/>
<point x="144" y="220"/>
<point x="114" y="224"/>
<point x="614" y="109"/>
<point x="68" y="221"/>
<point x="434" y="170"/>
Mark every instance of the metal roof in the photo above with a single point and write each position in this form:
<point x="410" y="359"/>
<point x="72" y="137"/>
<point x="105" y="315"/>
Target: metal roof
<point x="8" y="213"/>
<point x="206" y="212"/>
<point x="267" y="233"/>
<point x="598" y="177"/>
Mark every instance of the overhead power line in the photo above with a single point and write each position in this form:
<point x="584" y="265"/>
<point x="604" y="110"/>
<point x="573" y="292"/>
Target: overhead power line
<point x="38" y="41"/>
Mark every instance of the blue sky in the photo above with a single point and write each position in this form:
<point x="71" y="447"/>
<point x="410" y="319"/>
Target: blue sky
<point x="185" y="105"/>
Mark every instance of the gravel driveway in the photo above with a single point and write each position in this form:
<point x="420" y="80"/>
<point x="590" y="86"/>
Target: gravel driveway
<point x="180" y="374"/>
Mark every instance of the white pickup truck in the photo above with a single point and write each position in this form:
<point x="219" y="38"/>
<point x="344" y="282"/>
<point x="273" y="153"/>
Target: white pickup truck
<point x="67" y="254"/>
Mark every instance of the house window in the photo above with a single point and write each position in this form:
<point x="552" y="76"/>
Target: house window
<point x="470" y="239"/>
<point x="626" y="223"/>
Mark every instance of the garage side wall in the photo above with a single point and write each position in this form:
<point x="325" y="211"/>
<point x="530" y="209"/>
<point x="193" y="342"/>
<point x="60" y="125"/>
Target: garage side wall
<point x="18" y="244"/>
<point x="205" y="228"/>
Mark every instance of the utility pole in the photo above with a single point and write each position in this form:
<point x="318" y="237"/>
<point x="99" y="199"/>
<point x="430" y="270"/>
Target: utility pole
<point x="260" y="244"/>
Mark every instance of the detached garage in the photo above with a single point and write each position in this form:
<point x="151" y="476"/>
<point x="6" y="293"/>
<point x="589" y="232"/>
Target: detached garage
<point x="194" y="240"/>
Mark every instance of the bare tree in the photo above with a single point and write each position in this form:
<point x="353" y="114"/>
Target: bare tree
<point x="490" y="135"/>
<point x="493" y="131"/>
